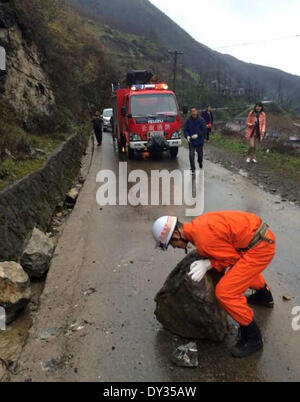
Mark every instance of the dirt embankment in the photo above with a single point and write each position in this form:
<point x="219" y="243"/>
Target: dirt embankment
<point x="276" y="181"/>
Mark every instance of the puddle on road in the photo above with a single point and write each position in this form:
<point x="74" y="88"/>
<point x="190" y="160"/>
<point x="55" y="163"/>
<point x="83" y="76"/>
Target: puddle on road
<point x="15" y="335"/>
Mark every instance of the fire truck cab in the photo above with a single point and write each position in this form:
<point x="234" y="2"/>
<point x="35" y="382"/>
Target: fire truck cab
<point x="146" y="118"/>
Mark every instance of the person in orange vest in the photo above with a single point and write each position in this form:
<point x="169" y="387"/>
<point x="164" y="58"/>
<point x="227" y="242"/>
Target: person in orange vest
<point x="238" y="244"/>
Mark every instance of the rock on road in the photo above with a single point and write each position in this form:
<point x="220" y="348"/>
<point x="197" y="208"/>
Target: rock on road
<point x="96" y="319"/>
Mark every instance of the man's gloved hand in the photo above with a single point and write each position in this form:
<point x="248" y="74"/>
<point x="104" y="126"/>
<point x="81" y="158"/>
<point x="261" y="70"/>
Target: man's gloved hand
<point x="189" y="139"/>
<point x="198" y="270"/>
<point x="195" y="136"/>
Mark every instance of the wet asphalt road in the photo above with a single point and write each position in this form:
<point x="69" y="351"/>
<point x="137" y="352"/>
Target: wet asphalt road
<point x="111" y="250"/>
<point x="124" y="341"/>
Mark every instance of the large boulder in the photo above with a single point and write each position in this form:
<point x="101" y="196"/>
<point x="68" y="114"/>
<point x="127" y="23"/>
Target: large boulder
<point x="190" y="309"/>
<point x="15" y="291"/>
<point x="37" y="255"/>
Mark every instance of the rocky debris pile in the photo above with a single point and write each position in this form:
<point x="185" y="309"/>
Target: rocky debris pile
<point x="190" y="309"/>
<point x="15" y="291"/>
<point x="38" y="254"/>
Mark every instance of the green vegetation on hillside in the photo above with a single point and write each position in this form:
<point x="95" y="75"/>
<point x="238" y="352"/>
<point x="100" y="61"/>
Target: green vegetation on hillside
<point x="127" y="49"/>
<point x="79" y="69"/>
<point x="14" y="169"/>
<point x="194" y="90"/>
<point x="141" y="17"/>
<point x="75" y="59"/>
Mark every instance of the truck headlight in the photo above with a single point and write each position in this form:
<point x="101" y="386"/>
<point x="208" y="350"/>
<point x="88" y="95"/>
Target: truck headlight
<point x="175" y="136"/>
<point x="135" y="137"/>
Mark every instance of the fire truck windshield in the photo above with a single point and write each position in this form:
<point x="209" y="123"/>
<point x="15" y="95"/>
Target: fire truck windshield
<point x="143" y="105"/>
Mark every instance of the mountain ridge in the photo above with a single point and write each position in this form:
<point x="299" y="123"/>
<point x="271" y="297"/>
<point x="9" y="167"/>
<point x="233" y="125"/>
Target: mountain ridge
<point x="141" y="17"/>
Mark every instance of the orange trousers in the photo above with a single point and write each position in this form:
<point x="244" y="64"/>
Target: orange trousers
<point x="244" y="275"/>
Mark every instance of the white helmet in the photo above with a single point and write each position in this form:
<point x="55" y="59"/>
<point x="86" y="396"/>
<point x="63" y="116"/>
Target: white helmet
<point x="163" y="230"/>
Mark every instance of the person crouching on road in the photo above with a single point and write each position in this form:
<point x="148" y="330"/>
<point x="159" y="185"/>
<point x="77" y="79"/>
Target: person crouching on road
<point x="208" y="116"/>
<point x="237" y="243"/>
<point x="256" y="129"/>
<point x="195" y="131"/>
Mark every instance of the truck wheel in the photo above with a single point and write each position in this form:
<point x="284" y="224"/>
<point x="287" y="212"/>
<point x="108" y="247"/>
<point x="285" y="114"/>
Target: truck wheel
<point x="130" y="154"/>
<point x="174" y="152"/>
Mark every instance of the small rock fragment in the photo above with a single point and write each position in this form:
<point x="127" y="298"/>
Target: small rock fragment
<point x="186" y="356"/>
<point x="287" y="297"/>
<point x="89" y="292"/>
<point x="48" y="334"/>
<point x="50" y="365"/>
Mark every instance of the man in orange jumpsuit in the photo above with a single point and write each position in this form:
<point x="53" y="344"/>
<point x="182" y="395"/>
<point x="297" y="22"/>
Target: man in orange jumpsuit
<point x="232" y="241"/>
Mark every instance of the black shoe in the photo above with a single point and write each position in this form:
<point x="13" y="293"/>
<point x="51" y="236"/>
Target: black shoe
<point x="99" y="144"/>
<point x="262" y="297"/>
<point x="249" y="341"/>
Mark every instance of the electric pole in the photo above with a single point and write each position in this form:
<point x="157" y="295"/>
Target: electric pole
<point x="175" y="55"/>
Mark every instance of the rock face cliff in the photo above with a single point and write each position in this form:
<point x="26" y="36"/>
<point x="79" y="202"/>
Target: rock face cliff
<point x="24" y="85"/>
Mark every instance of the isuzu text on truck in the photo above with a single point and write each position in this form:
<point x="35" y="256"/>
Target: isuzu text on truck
<point x="146" y="116"/>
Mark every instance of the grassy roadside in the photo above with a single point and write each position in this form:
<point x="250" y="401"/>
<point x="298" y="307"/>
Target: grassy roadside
<point x="280" y="163"/>
<point x="22" y="153"/>
<point x="14" y="169"/>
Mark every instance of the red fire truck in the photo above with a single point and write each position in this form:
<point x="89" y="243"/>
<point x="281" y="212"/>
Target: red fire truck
<point x="146" y="118"/>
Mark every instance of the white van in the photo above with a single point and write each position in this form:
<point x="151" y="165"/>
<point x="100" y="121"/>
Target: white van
<point x="107" y="114"/>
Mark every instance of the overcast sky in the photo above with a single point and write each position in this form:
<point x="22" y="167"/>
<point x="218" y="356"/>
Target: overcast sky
<point x="218" y="23"/>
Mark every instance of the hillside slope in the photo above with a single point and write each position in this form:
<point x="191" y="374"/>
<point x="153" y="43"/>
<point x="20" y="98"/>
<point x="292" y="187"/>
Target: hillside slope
<point x="140" y="17"/>
<point x="129" y="50"/>
<point x="57" y="70"/>
<point x="25" y="85"/>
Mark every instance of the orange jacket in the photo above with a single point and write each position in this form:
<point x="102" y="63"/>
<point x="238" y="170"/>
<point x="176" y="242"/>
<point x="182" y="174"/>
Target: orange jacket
<point x="251" y="123"/>
<point x="218" y="235"/>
